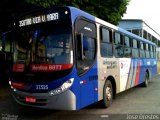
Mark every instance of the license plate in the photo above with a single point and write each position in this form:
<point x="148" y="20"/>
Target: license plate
<point x="31" y="99"/>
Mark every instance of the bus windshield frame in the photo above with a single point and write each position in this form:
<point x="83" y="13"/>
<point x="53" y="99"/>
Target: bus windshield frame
<point x="43" y="43"/>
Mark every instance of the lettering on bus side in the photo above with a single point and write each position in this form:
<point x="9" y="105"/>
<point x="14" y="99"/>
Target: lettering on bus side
<point x="110" y="64"/>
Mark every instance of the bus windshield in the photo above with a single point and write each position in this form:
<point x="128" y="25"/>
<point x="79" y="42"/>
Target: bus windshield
<point x="40" y="49"/>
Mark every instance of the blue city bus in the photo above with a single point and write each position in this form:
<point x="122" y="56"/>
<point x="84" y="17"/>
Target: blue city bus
<point x="67" y="59"/>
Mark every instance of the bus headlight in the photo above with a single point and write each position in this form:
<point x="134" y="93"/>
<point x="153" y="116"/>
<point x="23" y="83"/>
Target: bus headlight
<point x="62" y="88"/>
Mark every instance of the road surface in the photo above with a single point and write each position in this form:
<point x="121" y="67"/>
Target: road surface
<point x="138" y="102"/>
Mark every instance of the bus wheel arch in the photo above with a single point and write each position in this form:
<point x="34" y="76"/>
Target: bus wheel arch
<point x="113" y="85"/>
<point x="109" y="91"/>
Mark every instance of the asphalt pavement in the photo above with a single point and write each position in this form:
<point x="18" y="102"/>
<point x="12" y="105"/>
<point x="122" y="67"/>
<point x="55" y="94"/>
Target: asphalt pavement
<point x="135" y="103"/>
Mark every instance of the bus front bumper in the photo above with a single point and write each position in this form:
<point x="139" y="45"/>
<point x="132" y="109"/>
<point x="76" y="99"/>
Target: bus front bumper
<point x="63" y="101"/>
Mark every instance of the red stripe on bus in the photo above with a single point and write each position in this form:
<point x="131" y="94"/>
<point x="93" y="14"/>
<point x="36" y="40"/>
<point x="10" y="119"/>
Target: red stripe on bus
<point x="137" y="74"/>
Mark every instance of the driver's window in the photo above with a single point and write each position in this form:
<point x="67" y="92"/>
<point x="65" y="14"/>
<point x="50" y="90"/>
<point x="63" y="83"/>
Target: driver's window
<point x="88" y="57"/>
<point x="86" y="44"/>
<point x="88" y="48"/>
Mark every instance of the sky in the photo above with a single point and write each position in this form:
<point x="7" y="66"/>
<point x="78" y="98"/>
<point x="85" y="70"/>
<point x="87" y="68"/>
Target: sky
<point x="147" y="10"/>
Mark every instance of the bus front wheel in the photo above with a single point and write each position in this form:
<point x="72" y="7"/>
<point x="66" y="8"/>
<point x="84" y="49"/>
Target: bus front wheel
<point x="107" y="94"/>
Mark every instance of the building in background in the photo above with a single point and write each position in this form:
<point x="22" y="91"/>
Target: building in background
<point x="139" y="27"/>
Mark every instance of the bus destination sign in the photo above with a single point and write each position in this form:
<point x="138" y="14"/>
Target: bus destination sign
<point x="39" y="19"/>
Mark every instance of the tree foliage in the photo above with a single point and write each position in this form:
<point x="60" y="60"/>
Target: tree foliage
<point x="108" y="10"/>
<point x="9" y="9"/>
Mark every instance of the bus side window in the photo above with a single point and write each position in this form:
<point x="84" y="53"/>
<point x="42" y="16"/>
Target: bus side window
<point x="144" y="45"/>
<point x="106" y="49"/>
<point x="151" y="51"/>
<point x="142" y="52"/>
<point x="147" y="51"/>
<point x="154" y="52"/>
<point x="127" y="47"/>
<point x="118" y="45"/>
<point x="135" y="51"/>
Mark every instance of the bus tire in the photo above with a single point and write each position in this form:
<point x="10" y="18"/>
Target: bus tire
<point x="107" y="94"/>
<point x="145" y="83"/>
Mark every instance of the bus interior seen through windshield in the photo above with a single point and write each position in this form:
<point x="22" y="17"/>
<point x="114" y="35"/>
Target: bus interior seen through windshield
<point x="48" y="45"/>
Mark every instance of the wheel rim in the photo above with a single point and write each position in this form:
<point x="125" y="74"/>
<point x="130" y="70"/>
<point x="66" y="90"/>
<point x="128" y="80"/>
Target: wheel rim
<point x="108" y="93"/>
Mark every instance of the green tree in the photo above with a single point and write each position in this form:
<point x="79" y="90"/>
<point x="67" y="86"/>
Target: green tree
<point x="108" y="10"/>
<point x="10" y="9"/>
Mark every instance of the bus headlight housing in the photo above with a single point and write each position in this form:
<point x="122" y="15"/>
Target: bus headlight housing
<point x="62" y="88"/>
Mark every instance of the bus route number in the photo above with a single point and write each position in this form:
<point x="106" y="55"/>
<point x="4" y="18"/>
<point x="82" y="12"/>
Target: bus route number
<point x="42" y="87"/>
